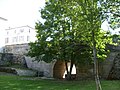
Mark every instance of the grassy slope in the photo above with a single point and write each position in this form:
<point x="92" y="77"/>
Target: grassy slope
<point x="20" y="83"/>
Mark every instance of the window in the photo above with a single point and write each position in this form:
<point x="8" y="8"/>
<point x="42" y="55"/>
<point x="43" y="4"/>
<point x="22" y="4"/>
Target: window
<point x="21" y="38"/>
<point x="14" y="39"/>
<point x="29" y="30"/>
<point x="21" y="30"/>
<point x="6" y="40"/>
<point x="15" y="31"/>
<point x="28" y="38"/>
<point x="7" y="32"/>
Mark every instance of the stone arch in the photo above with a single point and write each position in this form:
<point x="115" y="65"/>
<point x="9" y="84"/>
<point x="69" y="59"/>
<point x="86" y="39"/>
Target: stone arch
<point x="59" y="69"/>
<point x="115" y="70"/>
<point x="107" y="65"/>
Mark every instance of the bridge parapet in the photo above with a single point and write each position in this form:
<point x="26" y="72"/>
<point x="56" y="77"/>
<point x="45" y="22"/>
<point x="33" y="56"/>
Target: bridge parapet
<point x="114" y="48"/>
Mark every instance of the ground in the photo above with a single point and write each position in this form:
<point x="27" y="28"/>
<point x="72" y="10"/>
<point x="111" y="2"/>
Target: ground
<point x="12" y="82"/>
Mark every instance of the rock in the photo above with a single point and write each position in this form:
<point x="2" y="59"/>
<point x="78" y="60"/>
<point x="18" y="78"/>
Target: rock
<point x="21" y="72"/>
<point x="41" y="66"/>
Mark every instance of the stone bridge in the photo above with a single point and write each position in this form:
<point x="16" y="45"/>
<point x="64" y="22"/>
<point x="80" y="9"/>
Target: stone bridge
<point x="111" y="66"/>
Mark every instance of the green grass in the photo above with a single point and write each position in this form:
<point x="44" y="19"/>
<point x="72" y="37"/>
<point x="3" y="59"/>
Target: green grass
<point x="23" y="83"/>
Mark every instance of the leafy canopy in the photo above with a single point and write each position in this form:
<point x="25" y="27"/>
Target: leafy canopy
<point x="66" y="32"/>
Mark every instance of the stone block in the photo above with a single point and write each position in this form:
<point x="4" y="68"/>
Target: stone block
<point x="21" y="72"/>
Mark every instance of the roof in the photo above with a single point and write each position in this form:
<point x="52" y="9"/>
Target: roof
<point x="3" y="19"/>
<point x="19" y="27"/>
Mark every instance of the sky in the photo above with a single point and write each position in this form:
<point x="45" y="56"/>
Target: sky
<point x="19" y="13"/>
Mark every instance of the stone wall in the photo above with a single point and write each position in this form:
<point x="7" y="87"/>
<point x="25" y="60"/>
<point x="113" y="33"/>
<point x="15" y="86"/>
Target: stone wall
<point x="46" y="68"/>
<point x="20" y="49"/>
<point x="7" y="59"/>
<point x="59" y="69"/>
<point x="85" y="71"/>
<point x="115" y="70"/>
<point x="111" y="66"/>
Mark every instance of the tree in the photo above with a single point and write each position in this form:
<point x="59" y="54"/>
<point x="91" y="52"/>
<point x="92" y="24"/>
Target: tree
<point x="116" y="39"/>
<point x="58" y="37"/>
<point x="91" y="12"/>
<point x="70" y="31"/>
<point x="110" y="11"/>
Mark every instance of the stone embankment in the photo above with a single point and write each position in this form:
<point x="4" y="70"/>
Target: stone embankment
<point x="18" y="71"/>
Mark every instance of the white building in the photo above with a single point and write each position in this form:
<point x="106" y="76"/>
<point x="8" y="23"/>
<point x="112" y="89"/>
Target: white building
<point x="19" y="35"/>
<point x="3" y="23"/>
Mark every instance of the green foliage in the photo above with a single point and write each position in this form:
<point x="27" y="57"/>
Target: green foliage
<point x="66" y="33"/>
<point x="116" y="39"/>
<point x="103" y="38"/>
<point x="58" y="37"/>
<point x="110" y="10"/>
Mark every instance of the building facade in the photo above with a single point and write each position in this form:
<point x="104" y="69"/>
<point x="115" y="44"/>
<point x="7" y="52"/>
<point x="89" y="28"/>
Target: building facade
<point x="3" y="23"/>
<point x="17" y="39"/>
<point x="19" y="35"/>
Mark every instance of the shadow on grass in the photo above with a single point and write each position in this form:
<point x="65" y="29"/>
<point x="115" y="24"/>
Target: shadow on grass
<point x="30" y="83"/>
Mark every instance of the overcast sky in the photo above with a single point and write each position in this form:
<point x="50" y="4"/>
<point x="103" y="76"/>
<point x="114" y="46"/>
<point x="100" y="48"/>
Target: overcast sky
<point x="19" y="13"/>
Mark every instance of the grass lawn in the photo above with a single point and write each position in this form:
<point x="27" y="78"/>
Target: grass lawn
<point x="23" y="83"/>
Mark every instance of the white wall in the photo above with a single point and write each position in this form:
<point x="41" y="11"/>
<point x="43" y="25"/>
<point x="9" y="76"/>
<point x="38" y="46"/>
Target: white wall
<point x="20" y="35"/>
<point x="2" y="33"/>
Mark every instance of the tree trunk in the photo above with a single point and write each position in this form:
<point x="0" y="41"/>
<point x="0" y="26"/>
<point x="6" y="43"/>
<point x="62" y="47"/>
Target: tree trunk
<point x="69" y="73"/>
<point x="66" y="67"/>
<point x="71" y="66"/>
<point x="98" y="85"/>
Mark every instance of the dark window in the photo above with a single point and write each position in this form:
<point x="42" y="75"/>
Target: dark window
<point x="21" y="30"/>
<point x="7" y="33"/>
<point x="21" y="38"/>
<point x="15" y="31"/>
<point x="6" y="40"/>
<point x="29" y="30"/>
<point x="14" y="39"/>
<point x="28" y="38"/>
